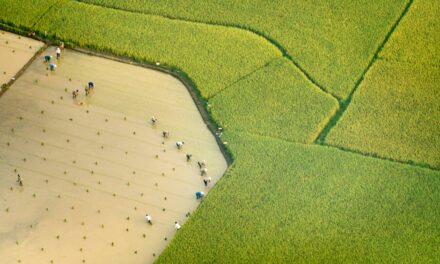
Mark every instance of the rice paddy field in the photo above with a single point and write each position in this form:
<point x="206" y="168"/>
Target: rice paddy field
<point x="329" y="109"/>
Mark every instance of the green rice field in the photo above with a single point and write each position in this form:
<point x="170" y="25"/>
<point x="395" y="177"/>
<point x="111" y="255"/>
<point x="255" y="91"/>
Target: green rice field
<point x="330" y="111"/>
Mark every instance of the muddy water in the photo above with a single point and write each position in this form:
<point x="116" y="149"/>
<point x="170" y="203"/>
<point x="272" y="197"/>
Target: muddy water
<point x="94" y="166"/>
<point x="15" y="51"/>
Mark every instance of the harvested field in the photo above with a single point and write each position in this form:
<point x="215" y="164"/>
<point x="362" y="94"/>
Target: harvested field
<point x="93" y="167"/>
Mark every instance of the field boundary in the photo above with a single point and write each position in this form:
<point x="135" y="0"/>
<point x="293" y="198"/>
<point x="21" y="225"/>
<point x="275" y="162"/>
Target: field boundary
<point x="343" y="105"/>
<point x="6" y="86"/>
<point x="243" y="77"/>
<point x="181" y="76"/>
<point x="269" y="39"/>
<point x="344" y="149"/>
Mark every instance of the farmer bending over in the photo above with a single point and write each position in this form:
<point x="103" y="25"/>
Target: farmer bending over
<point x="179" y="144"/>
<point x="153" y="120"/>
<point x="52" y="66"/>
<point x="201" y="164"/>
<point x="19" y="180"/>
<point x="148" y="219"/>
<point x="47" y="58"/>
<point x="199" y="195"/>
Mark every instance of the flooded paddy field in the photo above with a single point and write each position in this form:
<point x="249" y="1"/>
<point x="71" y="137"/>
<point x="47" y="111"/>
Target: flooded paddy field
<point x="94" y="166"/>
<point x="15" y="52"/>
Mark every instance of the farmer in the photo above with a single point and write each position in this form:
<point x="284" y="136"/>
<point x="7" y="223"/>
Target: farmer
<point x="201" y="164"/>
<point x="203" y="171"/>
<point x="188" y="157"/>
<point x="177" y="225"/>
<point x="179" y="144"/>
<point x="165" y="134"/>
<point x="87" y="90"/>
<point x="199" y="195"/>
<point x="52" y="66"/>
<point x="58" y="52"/>
<point x="148" y="219"/>
<point x="47" y="58"/>
<point x="74" y="94"/>
<point x="61" y="46"/>
<point x="153" y="120"/>
<point x="91" y="85"/>
<point x="206" y="181"/>
<point x="19" y="180"/>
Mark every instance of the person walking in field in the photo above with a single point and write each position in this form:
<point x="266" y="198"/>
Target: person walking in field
<point x="203" y="171"/>
<point x="206" y="181"/>
<point x="201" y="163"/>
<point x="199" y="195"/>
<point x="58" y="52"/>
<point x="87" y="90"/>
<point x="148" y="219"/>
<point x="177" y="225"/>
<point x="179" y="144"/>
<point x="47" y="58"/>
<point x="19" y="180"/>
<point x="188" y="157"/>
<point x="153" y="120"/>
<point x="165" y="134"/>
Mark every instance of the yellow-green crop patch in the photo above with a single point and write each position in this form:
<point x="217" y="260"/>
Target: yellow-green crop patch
<point x="24" y="13"/>
<point x="417" y="38"/>
<point x="396" y="111"/>
<point x="276" y="101"/>
<point x="213" y="56"/>
<point x="333" y="41"/>
<point x="290" y="203"/>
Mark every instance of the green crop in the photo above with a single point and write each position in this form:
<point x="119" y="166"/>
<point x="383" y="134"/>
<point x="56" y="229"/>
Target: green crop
<point x="214" y="56"/>
<point x="276" y="101"/>
<point x="24" y="14"/>
<point x="417" y="38"/>
<point x="396" y="111"/>
<point x="333" y="40"/>
<point x="290" y="203"/>
<point x="282" y="201"/>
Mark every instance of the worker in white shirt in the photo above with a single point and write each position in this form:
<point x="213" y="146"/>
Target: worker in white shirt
<point x="177" y="225"/>
<point x="58" y="52"/>
<point x="179" y="144"/>
<point x="148" y="219"/>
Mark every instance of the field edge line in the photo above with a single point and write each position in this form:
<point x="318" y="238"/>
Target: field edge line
<point x="269" y="39"/>
<point x="343" y="105"/>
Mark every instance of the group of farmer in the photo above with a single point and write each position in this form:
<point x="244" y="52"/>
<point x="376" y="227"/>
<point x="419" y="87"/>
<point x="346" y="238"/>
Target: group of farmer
<point x="48" y="58"/>
<point x="201" y="164"/>
<point x="199" y="195"/>
<point x="52" y="67"/>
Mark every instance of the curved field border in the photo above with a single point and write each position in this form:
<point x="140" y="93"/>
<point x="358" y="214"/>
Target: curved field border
<point x="201" y="104"/>
<point x="272" y="41"/>
<point x="343" y="103"/>
<point x="319" y="156"/>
